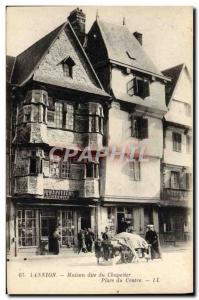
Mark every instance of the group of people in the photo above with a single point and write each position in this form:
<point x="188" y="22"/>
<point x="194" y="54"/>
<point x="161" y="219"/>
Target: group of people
<point x="87" y="239"/>
<point x="151" y="244"/>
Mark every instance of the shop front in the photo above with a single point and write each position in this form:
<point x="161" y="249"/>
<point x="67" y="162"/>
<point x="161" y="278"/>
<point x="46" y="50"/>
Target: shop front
<point x="35" y="226"/>
<point x="175" y="224"/>
<point x="130" y="217"/>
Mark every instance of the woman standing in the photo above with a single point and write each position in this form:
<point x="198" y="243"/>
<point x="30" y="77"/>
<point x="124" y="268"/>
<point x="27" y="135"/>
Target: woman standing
<point x="56" y="239"/>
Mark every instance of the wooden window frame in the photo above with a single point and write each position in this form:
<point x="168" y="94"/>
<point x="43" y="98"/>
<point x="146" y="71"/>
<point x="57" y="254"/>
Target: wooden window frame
<point x="135" y="170"/>
<point x="177" y="141"/>
<point x="24" y="220"/>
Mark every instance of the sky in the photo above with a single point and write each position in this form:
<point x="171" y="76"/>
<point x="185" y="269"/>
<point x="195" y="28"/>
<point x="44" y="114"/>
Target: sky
<point x="167" y="31"/>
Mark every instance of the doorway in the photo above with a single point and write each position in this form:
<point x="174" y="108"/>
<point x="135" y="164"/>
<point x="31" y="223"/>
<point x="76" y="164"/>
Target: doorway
<point x="48" y="224"/>
<point x="148" y="216"/>
<point x="85" y="216"/>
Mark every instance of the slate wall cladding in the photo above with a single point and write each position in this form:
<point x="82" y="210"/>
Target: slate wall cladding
<point x="50" y="66"/>
<point x="29" y="185"/>
<point x="38" y="133"/>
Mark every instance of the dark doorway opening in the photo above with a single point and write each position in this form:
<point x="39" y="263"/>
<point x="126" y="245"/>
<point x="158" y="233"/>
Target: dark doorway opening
<point x="85" y="219"/>
<point x="48" y="225"/>
<point x="148" y="216"/>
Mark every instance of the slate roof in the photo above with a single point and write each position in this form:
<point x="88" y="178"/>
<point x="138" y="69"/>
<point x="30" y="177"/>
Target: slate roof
<point x="174" y="74"/>
<point x="10" y="62"/>
<point x="28" y="61"/>
<point x="121" y="45"/>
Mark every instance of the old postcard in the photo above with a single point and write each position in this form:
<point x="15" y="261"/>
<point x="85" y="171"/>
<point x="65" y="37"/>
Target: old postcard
<point x="99" y="150"/>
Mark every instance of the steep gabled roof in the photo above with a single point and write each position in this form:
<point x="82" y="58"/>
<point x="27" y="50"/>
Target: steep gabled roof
<point x="10" y="62"/>
<point x="28" y="61"/>
<point x="122" y="47"/>
<point x="174" y="74"/>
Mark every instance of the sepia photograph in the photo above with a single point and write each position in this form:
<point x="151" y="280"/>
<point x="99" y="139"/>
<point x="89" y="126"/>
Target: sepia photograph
<point x="99" y="150"/>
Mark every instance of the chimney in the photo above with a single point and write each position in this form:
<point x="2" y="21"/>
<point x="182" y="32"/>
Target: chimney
<point x="78" y="19"/>
<point x="138" y="36"/>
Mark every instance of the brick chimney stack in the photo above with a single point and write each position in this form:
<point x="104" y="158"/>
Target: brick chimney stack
<point x="138" y="36"/>
<point x="78" y="21"/>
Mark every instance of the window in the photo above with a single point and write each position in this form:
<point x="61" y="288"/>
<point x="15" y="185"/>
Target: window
<point x="67" y="70"/>
<point x="26" y="228"/>
<point x="54" y="169"/>
<point x="101" y="125"/>
<point x="44" y="114"/>
<point x="135" y="173"/>
<point x="188" y="143"/>
<point x="92" y="170"/>
<point x="175" y="180"/>
<point x="138" y="86"/>
<point x="67" y="228"/>
<point x="177" y="139"/>
<point x="33" y="165"/>
<point x="50" y="116"/>
<point x="139" y="127"/>
<point x="27" y="117"/>
<point x="58" y="115"/>
<point x="95" y="124"/>
<point x="69" y="117"/>
<point x="65" y="169"/>
<point x="67" y="65"/>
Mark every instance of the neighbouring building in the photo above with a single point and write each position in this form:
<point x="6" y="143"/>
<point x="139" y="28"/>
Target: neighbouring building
<point x="55" y="99"/>
<point x="130" y="190"/>
<point x="175" y="214"/>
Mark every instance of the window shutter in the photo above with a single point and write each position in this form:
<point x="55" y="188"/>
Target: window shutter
<point x="137" y="170"/>
<point x="133" y="126"/>
<point x="131" y="86"/>
<point x="131" y="170"/>
<point x="140" y="87"/>
<point x="183" y="181"/>
<point x="144" y="128"/>
<point x="167" y="179"/>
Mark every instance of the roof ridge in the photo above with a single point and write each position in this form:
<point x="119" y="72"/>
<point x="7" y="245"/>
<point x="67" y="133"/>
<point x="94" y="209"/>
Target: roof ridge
<point x="86" y="57"/>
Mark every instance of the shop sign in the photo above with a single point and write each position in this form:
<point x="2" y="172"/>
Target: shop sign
<point x="60" y="194"/>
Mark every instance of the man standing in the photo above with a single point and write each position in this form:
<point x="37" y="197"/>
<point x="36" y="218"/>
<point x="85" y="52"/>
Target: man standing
<point x="122" y="225"/>
<point x="152" y="238"/>
<point x="89" y="239"/>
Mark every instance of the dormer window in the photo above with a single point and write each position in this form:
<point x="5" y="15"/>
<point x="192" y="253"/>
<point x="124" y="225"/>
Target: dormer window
<point x="67" y="65"/>
<point x="139" y="86"/>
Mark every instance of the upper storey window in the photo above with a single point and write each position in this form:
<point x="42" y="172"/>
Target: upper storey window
<point x="139" y="127"/>
<point x="177" y="141"/>
<point x="68" y="120"/>
<point x="61" y="115"/>
<point x="67" y="65"/>
<point x="139" y="86"/>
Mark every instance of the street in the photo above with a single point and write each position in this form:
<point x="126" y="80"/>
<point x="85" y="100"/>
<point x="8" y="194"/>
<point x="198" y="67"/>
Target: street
<point x="75" y="274"/>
